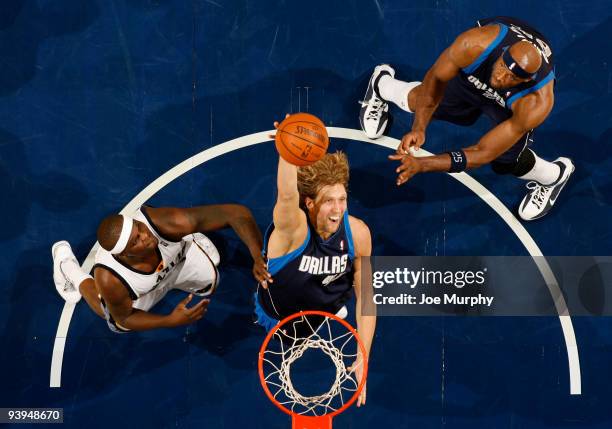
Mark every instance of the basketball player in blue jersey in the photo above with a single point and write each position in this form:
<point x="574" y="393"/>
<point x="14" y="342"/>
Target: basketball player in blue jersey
<point x="144" y="255"/>
<point x="503" y="68"/>
<point x="314" y="247"/>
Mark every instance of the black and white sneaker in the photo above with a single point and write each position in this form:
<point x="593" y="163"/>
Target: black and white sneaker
<point x="374" y="113"/>
<point x="540" y="198"/>
<point x="62" y="255"/>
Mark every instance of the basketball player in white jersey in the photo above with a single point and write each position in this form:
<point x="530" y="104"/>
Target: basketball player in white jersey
<point x="142" y="257"/>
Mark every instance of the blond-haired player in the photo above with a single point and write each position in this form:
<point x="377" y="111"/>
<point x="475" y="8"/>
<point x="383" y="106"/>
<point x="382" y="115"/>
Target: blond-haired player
<point x="314" y="247"/>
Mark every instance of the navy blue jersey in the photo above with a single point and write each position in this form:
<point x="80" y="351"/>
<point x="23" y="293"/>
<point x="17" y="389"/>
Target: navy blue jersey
<point x="316" y="276"/>
<point x="476" y="76"/>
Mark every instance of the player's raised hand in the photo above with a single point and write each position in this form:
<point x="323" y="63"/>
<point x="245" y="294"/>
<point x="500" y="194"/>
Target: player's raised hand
<point x="276" y="124"/>
<point x="412" y="140"/>
<point x="183" y="315"/>
<point x="409" y="167"/>
<point x="260" y="272"/>
<point x="357" y="368"/>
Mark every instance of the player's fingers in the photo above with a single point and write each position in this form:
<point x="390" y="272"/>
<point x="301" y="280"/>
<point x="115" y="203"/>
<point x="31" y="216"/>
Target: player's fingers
<point x="418" y="143"/>
<point x="198" y="314"/>
<point x="186" y="301"/>
<point x="396" y="156"/>
<point x="405" y="165"/>
<point x="264" y="284"/>
<point x="401" y="179"/>
<point x="362" y="397"/>
<point x="401" y="149"/>
<point x="202" y="304"/>
<point x="261" y="274"/>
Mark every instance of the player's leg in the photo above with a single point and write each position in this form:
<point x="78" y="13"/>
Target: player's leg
<point x="402" y="94"/>
<point x="546" y="179"/>
<point x="458" y="106"/>
<point x="71" y="282"/>
<point x="382" y="89"/>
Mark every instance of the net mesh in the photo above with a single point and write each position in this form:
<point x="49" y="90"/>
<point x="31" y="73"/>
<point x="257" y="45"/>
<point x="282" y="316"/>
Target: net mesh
<point x="290" y="343"/>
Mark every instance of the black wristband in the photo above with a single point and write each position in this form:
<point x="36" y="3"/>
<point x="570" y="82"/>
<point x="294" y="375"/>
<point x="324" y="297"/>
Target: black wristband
<point x="458" y="161"/>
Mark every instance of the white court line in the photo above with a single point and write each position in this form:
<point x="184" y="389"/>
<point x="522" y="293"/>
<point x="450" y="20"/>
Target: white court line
<point x="350" y="134"/>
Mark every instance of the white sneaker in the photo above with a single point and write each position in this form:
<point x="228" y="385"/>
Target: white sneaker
<point x="62" y="254"/>
<point x="540" y="198"/>
<point x="374" y="113"/>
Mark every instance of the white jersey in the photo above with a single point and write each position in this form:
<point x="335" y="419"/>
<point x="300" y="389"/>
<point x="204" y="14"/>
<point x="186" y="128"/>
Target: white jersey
<point x="189" y="265"/>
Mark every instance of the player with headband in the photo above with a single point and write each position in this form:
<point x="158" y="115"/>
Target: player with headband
<point x="142" y="257"/>
<point x="503" y="68"/>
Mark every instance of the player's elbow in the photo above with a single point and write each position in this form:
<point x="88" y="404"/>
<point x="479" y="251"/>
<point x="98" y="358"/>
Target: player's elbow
<point x="238" y="211"/>
<point x="287" y="198"/>
<point x="236" y="214"/>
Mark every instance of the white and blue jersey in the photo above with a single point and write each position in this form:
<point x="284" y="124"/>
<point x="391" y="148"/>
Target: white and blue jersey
<point x="316" y="276"/>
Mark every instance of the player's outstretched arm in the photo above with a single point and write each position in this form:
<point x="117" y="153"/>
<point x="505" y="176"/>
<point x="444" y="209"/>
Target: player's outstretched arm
<point x="175" y="223"/>
<point x="119" y="305"/>
<point x="461" y="53"/>
<point x="290" y="226"/>
<point x="365" y="310"/>
<point x="287" y="215"/>
<point x="528" y="113"/>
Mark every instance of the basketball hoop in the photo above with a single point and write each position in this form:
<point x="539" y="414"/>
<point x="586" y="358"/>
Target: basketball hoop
<point x="287" y="342"/>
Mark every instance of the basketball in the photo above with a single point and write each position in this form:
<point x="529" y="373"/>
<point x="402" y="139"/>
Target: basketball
<point x="301" y="139"/>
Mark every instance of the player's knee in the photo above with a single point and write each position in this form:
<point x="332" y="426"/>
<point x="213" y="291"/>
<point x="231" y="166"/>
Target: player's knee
<point x="503" y="167"/>
<point x="520" y="167"/>
<point x="525" y="163"/>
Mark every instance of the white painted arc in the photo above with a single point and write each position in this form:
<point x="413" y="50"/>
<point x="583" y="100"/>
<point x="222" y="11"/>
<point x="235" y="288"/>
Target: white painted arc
<point x="350" y="134"/>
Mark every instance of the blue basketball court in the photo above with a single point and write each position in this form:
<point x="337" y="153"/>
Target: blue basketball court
<point x="110" y="104"/>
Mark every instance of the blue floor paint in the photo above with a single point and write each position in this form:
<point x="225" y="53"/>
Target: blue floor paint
<point x="97" y="99"/>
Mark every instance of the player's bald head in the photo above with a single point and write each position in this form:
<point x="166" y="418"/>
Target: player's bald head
<point x="109" y="231"/>
<point x="526" y="56"/>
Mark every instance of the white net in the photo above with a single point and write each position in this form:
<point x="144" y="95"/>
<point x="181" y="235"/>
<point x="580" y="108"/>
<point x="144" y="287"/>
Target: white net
<point x="290" y="343"/>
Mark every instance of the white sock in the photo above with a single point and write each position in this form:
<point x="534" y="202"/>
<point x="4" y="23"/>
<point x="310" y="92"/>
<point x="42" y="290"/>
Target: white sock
<point x="543" y="172"/>
<point x="396" y="91"/>
<point x="73" y="272"/>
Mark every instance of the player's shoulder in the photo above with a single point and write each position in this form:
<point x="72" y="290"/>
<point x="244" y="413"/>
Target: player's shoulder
<point x="109" y="285"/>
<point x="532" y="109"/>
<point x="472" y="43"/>
<point x="171" y="223"/>
<point x="359" y="229"/>
<point x="479" y="36"/>
<point x="160" y="216"/>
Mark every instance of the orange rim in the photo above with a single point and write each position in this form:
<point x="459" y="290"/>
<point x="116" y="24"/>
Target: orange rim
<point x="344" y="323"/>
